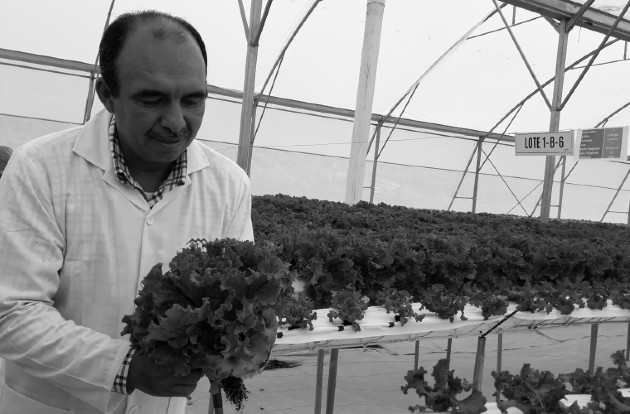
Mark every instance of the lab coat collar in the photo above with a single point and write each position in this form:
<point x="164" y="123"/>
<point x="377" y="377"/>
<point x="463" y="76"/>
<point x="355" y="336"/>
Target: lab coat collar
<point x="196" y="158"/>
<point x="92" y="143"/>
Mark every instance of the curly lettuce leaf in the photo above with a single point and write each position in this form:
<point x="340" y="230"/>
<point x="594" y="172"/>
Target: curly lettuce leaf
<point x="174" y="326"/>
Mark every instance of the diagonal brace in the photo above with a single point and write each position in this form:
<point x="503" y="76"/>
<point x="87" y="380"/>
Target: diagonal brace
<point x="520" y="51"/>
<point x="599" y="49"/>
<point x="572" y="22"/>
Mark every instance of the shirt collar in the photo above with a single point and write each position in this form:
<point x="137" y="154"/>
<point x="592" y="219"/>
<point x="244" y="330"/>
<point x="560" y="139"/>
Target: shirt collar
<point x="176" y="177"/>
<point x="178" y="172"/>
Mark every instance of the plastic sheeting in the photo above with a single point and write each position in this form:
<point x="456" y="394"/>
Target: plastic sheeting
<point x="474" y="87"/>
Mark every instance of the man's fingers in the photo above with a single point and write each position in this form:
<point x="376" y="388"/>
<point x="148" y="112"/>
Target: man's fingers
<point x="157" y="380"/>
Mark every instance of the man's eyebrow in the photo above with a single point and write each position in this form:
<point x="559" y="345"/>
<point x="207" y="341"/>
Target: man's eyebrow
<point x="197" y="94"/>
<point x="147" y="92"/>
<point x="153" y="92"/>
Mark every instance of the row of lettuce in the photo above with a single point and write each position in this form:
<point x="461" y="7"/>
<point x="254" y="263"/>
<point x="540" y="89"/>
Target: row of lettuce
<point x="530" y="391"/>
<point x="444" y="259"/>
<point x="394" y="256"/>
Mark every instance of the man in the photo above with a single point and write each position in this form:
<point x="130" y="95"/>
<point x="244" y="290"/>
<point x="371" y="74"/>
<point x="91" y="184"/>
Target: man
<point x="87" y="212"/>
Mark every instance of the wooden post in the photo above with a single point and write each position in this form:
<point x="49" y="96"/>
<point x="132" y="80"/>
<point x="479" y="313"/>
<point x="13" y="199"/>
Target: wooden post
<point x="591" y="357"/>
<point x="365" y="96"/>
<point x="332" y="381"/>
<point x="243" y="157"/>
<point x="628" y="344"/>
<point x="479" y="360"/>
<point x="319" y="381"/>
<point x="554" y="123"/>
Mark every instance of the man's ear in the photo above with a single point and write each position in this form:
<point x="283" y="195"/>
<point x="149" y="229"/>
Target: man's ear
<point x="105" y="95"/>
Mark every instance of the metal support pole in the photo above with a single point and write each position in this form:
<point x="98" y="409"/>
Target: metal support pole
<point x="253" y="136"/>
<point x="376" y="148"/>
<point x="554" y="123"/>
<point x="500" y="351"/>
<point x="449" y="348"/>
<point x="513" y="15"/>
<point x="416" y="359"/>
<point x="90" y="98"/>
<point x="479" y="360"/>
<point x="563" y="160"/>
<point x="355" y="180"/>
<point x="247" y="109"/>
<point x="591" y="357"/>
<point x="616" y="195"/>
<point x="89" y="102"/>
<point x="477" y="171"/>
<point x="332" y="381"/>
<point x="319" y="385"/>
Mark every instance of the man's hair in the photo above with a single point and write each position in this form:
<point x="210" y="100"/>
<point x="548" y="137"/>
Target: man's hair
<point x="117" y="32"/>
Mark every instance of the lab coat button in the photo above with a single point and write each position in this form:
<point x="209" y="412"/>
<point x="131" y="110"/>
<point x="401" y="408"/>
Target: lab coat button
<point x="133" y="410"/>
<point x="150" y="220"/>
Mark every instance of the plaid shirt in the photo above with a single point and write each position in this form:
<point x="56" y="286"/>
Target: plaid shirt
<point x="176" y="177"/>
<point x="120" y="382"/>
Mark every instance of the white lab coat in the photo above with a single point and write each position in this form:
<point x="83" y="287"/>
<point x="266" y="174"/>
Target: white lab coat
<point x="75" y="244"/>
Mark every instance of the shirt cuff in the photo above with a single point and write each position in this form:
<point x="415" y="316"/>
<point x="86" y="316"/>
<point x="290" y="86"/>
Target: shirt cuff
<point x="120" y="382"/>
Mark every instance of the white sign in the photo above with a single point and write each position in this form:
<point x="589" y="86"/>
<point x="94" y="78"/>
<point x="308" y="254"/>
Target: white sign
<point x="544" y="143"/>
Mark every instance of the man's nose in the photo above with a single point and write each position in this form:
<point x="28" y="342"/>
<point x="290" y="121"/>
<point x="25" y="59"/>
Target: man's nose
<point x="173" y="118"/>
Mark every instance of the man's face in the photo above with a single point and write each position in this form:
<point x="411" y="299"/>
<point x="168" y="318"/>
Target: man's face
<point x="162" y="97"/>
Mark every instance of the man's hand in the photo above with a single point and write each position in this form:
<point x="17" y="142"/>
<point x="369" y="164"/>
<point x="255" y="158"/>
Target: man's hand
<point x="157" y="381"/>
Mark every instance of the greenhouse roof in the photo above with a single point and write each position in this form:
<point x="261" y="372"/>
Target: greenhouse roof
<point x="447" y="69"/>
